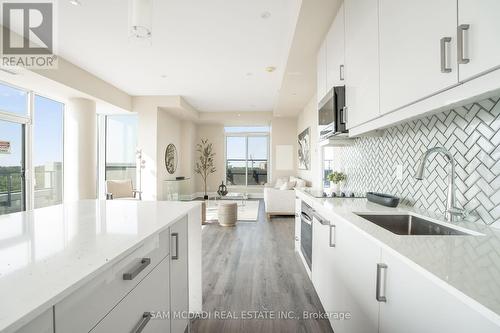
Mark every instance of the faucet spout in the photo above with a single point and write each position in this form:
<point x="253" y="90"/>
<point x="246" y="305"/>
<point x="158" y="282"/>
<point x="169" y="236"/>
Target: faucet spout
<point x="451" y="208"/>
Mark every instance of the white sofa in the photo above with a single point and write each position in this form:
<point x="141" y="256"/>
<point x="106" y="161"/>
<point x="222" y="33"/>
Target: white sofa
<point x="279" y="199"/>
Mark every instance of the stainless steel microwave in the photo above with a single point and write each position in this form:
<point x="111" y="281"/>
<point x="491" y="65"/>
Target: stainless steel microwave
<point x="332" y="113"/>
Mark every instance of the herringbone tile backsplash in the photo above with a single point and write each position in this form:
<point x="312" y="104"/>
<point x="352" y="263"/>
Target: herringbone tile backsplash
<point x="471" y="133"/>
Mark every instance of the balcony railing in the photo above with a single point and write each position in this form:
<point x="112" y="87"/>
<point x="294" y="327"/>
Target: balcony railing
<point x="239" y="171"/>
<point x="48" y="190"/>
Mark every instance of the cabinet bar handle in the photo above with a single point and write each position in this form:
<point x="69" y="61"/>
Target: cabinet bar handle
<point x="176" y="255"/>
<point x="146" y="317"/>
<point x="460" y="43"/>
<point x="143" y="264"/>
<point x="343" y="115"/>
<point x="333" y="230"/>
<point x="341" y="72"/>
<point x="444" y="55"/>
<point x="378" y="295"/>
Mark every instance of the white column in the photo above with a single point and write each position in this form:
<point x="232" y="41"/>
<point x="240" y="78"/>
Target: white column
<point x="80" y="150"/>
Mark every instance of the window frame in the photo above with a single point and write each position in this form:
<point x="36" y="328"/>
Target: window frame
<point x="27" y="121"/>
<point x="246" y="135"/>
<point x="103" y="122"/>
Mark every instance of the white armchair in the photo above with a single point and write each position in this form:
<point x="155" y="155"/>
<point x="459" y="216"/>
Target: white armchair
<point x="121" y="189"/>
<point x="279" y="201"/>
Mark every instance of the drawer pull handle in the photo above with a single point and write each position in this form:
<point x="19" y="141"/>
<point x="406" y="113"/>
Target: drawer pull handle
<point x="378" y="294"/>
<point x="333" y="231"/>
<point x="176" y="255"/>
<point x="131" y="275"/>
<point x="146" y="317"/>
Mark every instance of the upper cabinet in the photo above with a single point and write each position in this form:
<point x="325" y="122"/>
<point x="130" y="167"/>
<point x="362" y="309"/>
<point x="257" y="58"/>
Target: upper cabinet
<point x="400" y="59"/>
<point x="321" y="72"/>
<point x="417" y="50"/>
<point x="361" y="61"/>
<point x="478" y="37"/>
<point x="335" y="52"/>
<point x="330" y="60"/>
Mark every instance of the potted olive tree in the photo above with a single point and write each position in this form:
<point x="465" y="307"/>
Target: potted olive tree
<point x="335" y="179"/>
<point x="205" y="163"/>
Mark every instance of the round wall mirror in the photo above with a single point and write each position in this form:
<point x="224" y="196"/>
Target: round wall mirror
<point x="171" y="158"/>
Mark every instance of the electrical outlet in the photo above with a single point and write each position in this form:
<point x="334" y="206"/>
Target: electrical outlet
<point x="399" y="172"/>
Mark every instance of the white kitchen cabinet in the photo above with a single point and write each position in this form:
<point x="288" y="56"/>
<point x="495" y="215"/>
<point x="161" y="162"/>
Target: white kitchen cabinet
<point x="179" y="302"/>
<point x="416" y="302"/>
<point x="335" y="52"/>
<point x="417" y="50"/>
<point x="85" y="307"/>
<point x="357" y="267"/>
<point x="325" y="273"/>
<point x="479" y="27"/>
<point x="361" y="61"/>
<point x="298" y="203"/>
<point x="44" y="323"/>
<point x="146" y="306"/>
<point x="322" y="263"/>
<point x="321" y="72"/>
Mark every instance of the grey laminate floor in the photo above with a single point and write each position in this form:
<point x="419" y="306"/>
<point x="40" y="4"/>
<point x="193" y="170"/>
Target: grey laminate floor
<point x="253" y="267"/>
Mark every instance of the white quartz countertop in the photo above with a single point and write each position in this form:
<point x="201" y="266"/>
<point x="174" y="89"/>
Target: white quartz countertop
<point x="469" y="264"/>
<point x="47" y="253"/>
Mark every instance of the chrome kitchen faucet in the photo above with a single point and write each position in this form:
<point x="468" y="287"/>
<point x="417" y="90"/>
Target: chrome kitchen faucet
<point x="451" y="201"/>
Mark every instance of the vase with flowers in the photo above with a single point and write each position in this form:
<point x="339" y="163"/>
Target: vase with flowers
<point x="336" y="178"/>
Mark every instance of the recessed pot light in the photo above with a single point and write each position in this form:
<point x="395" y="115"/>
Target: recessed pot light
<point x="270" y="69"/>
<point x="75" y="2"/>
<point x="163" y="76"/>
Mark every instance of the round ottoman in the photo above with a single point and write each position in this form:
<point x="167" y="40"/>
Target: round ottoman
<point x="228" y="213"/>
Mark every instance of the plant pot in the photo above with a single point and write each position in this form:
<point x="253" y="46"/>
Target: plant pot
<point x="334" y="187"/>
<point x="205" y="197"/>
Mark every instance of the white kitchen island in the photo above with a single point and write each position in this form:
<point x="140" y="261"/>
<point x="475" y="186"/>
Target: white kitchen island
<point x="90" y="265"/>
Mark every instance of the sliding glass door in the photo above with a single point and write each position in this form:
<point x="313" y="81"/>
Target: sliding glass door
<point x="31" y="150"/>
<point x="12" y="167"/>
<point x="121" y="145"/>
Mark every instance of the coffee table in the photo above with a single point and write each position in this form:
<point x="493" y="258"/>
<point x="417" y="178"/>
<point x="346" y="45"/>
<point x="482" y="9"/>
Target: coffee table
<point x="237" y="196"/>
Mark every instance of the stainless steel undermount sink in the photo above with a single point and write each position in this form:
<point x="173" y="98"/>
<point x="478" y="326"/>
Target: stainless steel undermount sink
<point x="406" y="224"/>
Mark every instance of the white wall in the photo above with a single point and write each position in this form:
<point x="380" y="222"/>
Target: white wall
<point x="283" y="133"/>
<point x="187" y="154"/>
<point x="307" y="118"/>
<point x="147" y="142"/>
<point x="168" y="131"/>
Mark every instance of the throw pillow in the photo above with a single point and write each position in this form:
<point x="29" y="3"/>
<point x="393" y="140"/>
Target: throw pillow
<point x="280" y="181"/>
<point x="300" y="183"/>
<point x="287" y="186"/>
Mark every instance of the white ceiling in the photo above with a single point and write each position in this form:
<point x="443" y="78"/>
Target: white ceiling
<point x="204" y="47"/>
<point x="299" y="82"/>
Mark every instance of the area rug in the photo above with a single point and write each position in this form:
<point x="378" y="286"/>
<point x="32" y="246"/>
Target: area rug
<point x="248" y="212"/>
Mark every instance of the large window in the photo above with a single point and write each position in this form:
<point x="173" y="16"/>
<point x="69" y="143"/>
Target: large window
<point x="121" y="145"/>
<point x="247" y="155"/>
<point x="38" y="125"/>
<point x="328" y="165"/>
<point x="13" y="100"/>
<point x="12" y="166"/>
<point x="48" y="151"/>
